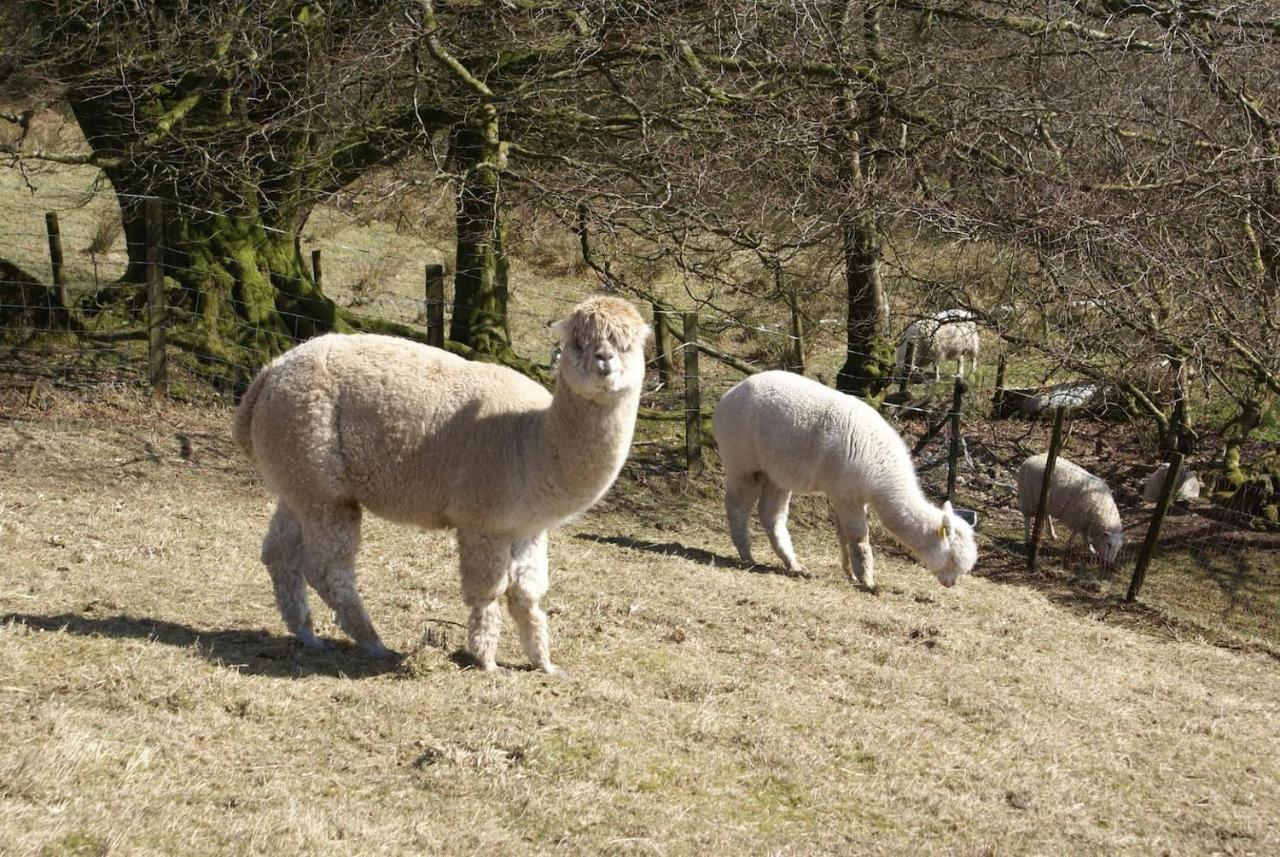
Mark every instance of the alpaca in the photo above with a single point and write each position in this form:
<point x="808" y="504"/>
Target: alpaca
<point x="779" y="433"/>
<point x="949" y="334"/>
<point x="421" y="437"/>
<point x="1078" y="499"/>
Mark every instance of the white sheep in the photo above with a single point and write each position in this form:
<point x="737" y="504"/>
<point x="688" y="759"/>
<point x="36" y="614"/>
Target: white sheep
<point x="422" y="437"/>
<point x="950" y="334"/>
<point x="1188" y="487"/>
<point x="1078" y="499"/>
<point x="779" y="433"/>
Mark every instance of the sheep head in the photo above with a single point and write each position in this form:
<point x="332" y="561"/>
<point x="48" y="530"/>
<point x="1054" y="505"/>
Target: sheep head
<point x="1106" y="544"/>
<point x="602" y="348"/>
<point x="956" y="550"/>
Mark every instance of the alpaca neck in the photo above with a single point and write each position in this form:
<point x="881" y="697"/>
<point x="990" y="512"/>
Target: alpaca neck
<point x="908" y="514"/>
<point x="582" y="446"/>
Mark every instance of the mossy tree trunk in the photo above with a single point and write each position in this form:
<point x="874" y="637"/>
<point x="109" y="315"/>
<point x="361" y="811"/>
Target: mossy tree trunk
<point x="868" y="352"/>
<point x="480" y="273"/>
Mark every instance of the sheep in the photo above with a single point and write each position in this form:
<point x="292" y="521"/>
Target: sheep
<point x="1188" y="487"/>
<point x="419" y="436"/>
<point x="1078" y="499"/>
<point x="779" y="433"/>
<point x="947" y="335"/>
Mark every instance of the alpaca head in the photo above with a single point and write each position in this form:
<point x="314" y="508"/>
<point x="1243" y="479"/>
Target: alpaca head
<point x="602" y="348"/>
<point x="955" y="552"/>
<point x="1106" y="544"/>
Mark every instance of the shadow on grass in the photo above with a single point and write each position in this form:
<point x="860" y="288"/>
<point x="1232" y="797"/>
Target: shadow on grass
<point x="698" y="555"/>
<point x="250" y="652"/>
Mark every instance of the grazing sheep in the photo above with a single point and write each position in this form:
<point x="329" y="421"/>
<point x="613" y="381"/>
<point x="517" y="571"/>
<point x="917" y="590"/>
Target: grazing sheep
<point x="947" y="335"/>
<point x="1188" y="487"/>
<point x="422" y="437"/>
<point x="1078" y="499"/>
<point x="779" y="432"/>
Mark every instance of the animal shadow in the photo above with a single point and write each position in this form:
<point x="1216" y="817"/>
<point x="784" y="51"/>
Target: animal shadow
<point x="698" y="555"/>
<point x="250" y="652"/>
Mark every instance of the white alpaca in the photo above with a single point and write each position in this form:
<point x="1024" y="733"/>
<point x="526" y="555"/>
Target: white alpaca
<point x="780" y="433"/>
<point x="422" y="437"/>
<point x="951" y="334"/>
<point x="1188" y="487"/>
<point x="1078" y="499"/>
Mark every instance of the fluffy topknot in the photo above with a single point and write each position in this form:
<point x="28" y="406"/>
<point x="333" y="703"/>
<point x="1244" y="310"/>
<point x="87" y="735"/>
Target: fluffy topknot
<point x="603" y="317"/>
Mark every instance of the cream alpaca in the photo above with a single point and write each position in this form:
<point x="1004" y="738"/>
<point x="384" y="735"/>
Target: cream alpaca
<point x="951" y="334"/>
<point x="1078" y="499"/>
<point x="422" y="437"/>
<point x="1188" y="487"/>
<point x="779" y="433"/>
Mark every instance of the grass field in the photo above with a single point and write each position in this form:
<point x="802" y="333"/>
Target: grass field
<point x="153" y="703"/>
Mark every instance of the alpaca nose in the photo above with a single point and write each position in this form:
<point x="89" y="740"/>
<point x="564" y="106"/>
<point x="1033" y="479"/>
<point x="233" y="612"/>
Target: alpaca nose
<point x="604" y="360"/>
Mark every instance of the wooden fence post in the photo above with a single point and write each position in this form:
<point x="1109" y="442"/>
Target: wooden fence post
<point x="997" y="397"/>
<point x="797" y="341"/>
<point x="1153" y="531"/>
<point x="692" y="397"/>
<point x="1055" y="443"/>
<point x="908" y="360"/>
<point x="55" y="258"/>
<point x="662" y="344"/>
<point x="435" y="305"/>
<point x="953" y="454"/>
<point x="316" y="273"/>
<point x="157" y="365"/>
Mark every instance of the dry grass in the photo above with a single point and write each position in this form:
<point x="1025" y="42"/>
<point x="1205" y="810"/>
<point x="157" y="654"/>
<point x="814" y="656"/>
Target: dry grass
<point x="153" y="705"/>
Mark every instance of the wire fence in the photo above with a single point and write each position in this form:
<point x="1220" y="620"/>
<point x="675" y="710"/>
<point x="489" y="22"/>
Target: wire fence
<point x="108" y="341"/>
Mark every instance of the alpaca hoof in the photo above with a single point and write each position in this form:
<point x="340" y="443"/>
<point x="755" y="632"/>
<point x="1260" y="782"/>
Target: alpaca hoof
<point x="380" y="652"/>
<point x="797" y="568"/>
<point x="309" y="640"/>
<point x="554" y="671"/>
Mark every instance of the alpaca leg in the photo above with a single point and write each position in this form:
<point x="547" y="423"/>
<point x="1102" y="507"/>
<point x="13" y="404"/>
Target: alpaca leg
<point x="282" y="555"/>
<point x="484" y="562"/>
<point x="853" y="521"/>
<point x="741" y="494"/>
<point x="774" y="504"/>
<point x="843" y="540"/>
<point x="528" y="576"/>
<point x="1053" y="533"/>
<point x="331" y="538"/>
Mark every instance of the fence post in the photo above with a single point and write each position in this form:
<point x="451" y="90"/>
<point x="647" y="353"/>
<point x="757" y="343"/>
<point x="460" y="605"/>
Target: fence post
<point x="55" y="258"/>
<point x="997" y="397"/>
<point x="953" y="454"/>
<point x="1055" y="442"/>
<point x="908" y="360"/>
<point x="692" y="397"/>
<point x="157" y="365"/>
<point x="435" y="305"/>
<point x="315" y="268"/>
<point x="797" y="341"/>
<point x="1153" y="531"/>
<point x="662" y="343"/>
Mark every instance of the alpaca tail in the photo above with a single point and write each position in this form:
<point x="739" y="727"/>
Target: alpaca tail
<point x="241" y="426"/>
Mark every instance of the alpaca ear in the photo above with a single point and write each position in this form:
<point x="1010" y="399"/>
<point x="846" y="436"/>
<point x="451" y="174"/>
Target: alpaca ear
<point x="561" y="329"/>
<point x="944" y="529"/>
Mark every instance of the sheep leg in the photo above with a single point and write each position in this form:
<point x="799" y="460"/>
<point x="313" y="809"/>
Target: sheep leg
<point x="484" y="562"/>
<point x="852" y="521"/>
<point x="528" y="576"/>
<point x="1026" y="528"/>
<point x="774" y="504"/>
<point x="283" y="557"/>
<point x="1053" y="534"/>
<point x="741" y="494"/>
<point x="331" y="538"/>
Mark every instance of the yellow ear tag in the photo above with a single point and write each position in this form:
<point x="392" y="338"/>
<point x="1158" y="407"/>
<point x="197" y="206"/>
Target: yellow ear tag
<point x="942" y="531"/>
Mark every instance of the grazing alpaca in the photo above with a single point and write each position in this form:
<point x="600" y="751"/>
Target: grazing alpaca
<point x="422" y="437"/>
<point x="1078" y="499"/>
<point x="779" y="432"/>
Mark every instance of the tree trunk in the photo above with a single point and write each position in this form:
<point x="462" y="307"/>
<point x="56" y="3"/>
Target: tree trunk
<point x="869" y="352"/>
<point x="480" y="287"/>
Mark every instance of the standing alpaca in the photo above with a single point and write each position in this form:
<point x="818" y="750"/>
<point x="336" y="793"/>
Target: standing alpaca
<point x="422" y="437"/>
<point x="779" y="432"/>
<point x="947" y="335"/>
